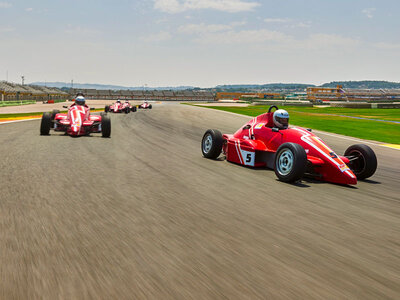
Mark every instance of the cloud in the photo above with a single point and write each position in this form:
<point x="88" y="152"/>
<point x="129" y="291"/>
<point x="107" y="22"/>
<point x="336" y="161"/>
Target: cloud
<point x="276" y="20"/>
<point x="306" y="24"/>
<point x="321" y="41"/>
<point x="217" y="34"/>
<point x="210" y="28"/>
<point x="231" y="6"/>
<point x="158" y="37"/>
<point x="387" y="46"/>
<point x="243" y="37"/>
<point x="368" y="12"/>
<point x="29" y="9"/>
<point x="5" y="4"/>
<point x="6" y="29"/>
<point x="78" y="30"/>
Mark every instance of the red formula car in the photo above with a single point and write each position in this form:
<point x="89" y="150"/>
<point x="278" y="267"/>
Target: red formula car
<point x="292" y="152"/>
<point x="145" y="105"/>
<point x="76" y="122"/>
<point x="119" y="107"/>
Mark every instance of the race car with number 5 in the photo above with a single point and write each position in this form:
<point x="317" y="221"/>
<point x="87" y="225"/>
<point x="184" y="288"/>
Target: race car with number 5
<point x="268" y="141"/>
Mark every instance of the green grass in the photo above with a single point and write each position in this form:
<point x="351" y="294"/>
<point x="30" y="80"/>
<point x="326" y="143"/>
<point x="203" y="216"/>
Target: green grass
<point x="16" y="103"/>
<point x="320" y="119"/>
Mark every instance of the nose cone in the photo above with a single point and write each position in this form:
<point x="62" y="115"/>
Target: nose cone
<point x="352" y="179"/>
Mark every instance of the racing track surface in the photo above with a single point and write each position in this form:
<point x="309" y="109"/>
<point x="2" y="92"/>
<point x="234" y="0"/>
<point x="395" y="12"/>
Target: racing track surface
<point x="144" y="215"/>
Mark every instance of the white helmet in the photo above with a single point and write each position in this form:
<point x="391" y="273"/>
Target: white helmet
<point x="80" y="100"/>
<point x="281" y="118"/>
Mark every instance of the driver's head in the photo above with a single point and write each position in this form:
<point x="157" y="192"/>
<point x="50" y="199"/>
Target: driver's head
<point x="118" y="101"/>
<point x="281" y="118"/>
<point x="80" y="100"/>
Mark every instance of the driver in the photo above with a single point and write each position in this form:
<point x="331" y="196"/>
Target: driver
<point x="281" y="119"/>
<point x="118" y="101"/>
<point x="80" y="100"/>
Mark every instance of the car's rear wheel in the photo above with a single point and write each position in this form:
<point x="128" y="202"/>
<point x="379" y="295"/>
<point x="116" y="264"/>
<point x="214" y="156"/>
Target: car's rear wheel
<point x="211" y="144"/>
<point x="150" y="106"/>
<point x="45" y="125"/>
<point x="363" y="160"/>
<point x="127" y="110"/>
<point x="290" y="162"/>
<point x="105" y="126"/>
<point x="133" y="109"/>
<point x="107" y="108"/>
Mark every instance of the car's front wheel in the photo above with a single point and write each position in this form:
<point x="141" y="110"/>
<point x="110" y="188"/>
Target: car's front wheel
<point x="105" y="126"/>
<point x="45" y="125"/>
<point x="363" y="160"/>
<point x="211" y="144"/>
<point x="290" y="162"/>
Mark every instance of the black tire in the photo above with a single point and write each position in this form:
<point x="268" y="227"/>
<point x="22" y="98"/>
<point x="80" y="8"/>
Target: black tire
<point x="53" y="114"/>
<point x="45" y="125"/>
<point x="105" y="126"/>
<point x="211" y="144"/>
<point x="127" y="110"/>
<point x="133" y="109"/>
<point x="290" y="162"/>
<point x="107" y="108"/>
<point x="150" y="106"/>
<point x="363" y="160"/>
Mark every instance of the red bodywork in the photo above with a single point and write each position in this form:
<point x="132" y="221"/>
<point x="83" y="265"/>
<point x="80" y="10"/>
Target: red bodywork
<point x="256" y="142"/>
<point x="145" y="105"/>
<point x="77" y="121"/>
<point x="117" y="107"/>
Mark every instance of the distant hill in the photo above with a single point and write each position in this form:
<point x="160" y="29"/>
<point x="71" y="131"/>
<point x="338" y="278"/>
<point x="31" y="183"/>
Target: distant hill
<point x="288" y="87"/>
<point x="106" y="86"/>
<point x="266" y="86"/>
<point x="365" y="84"/>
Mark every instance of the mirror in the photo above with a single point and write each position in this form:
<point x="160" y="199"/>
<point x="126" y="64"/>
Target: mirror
<point x="275" y="129"/>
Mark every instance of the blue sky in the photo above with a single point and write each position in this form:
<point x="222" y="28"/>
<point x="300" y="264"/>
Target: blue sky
<point x="199" y="42"/>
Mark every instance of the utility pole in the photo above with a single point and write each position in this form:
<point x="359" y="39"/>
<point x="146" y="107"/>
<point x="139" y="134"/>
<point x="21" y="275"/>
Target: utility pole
<point x="23" y="79"/>
<point x="72" y="83"/>
<point x="7" y="75"/>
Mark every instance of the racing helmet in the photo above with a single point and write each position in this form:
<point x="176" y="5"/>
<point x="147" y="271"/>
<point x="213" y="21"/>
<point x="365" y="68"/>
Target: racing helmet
<point x="118" y="101"/>
<point x="281" y="118"/>
<point x="80" y="100"/>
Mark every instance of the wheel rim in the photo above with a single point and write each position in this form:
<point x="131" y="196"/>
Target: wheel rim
<point x="357" y="165"/>
<point x="207" y="143"/>
<point x="285" y="162"/>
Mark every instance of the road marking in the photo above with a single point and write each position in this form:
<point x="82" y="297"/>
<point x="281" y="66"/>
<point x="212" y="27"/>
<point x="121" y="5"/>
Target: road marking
<point x="393" y="146"/>
<point x="15" y="121"/>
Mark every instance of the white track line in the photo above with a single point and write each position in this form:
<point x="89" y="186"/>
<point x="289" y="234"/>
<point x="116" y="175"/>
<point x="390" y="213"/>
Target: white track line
<point x="16" y="121"/>
<point x="375" y="143"/>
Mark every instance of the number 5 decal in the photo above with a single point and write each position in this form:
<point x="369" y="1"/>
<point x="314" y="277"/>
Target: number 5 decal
<point x="249" y="157"/>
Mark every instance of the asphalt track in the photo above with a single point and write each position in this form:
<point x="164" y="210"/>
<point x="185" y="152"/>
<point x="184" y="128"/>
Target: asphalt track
<point x="143" y="215"/>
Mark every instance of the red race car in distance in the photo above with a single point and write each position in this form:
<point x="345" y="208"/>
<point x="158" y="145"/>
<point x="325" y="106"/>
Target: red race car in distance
<point x="145" y="105"/>
<point x="119" y="107"/>
<point x="76" y="122"/>
<point x="291" y="151"/>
